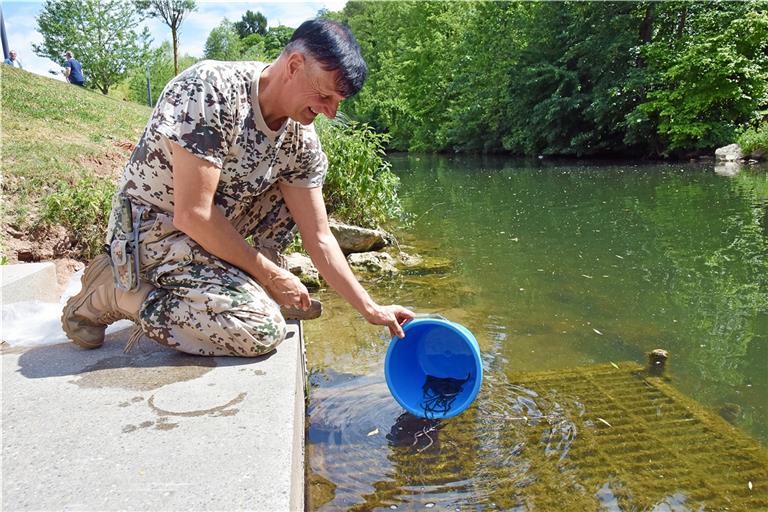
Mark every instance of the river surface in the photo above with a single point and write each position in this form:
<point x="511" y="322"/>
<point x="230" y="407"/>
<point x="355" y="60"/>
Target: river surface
<point x="552" y="266"/>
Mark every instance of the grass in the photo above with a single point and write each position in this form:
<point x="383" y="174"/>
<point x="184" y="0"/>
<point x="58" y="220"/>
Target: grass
<point x="56" y="137"/>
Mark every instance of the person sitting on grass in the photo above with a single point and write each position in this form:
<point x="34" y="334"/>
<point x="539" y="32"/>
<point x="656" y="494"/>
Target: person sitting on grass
<point x="230" y="153"/>
<point x="73" y="70"/>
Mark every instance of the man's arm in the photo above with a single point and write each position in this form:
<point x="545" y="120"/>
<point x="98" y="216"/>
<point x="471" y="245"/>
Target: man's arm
<point x="308" y="210"/>
<point x="194" y="212"/>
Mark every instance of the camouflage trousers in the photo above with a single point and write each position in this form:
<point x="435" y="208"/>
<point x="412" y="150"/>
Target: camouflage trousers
<point x="202" y="304"/>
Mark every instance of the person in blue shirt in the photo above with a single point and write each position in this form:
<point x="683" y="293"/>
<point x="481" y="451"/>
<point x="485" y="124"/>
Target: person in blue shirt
<point x="73" y="70"/>
<point x="13" y="61"/>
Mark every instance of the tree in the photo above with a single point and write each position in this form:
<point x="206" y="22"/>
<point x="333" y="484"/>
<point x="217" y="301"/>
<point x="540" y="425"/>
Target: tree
<point x="223" y="42"/>
<point x="101" y="34"/>
<point x="711" y="77"/>
<point x="161" y="71"/>
<point x="276" y="38"/>
<point x="251" y="23"/>
<point x="172" y="13"/>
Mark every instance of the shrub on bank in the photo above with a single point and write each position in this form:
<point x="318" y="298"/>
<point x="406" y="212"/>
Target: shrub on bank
<point x="83" y="209"/>
<point x="360" y="187"/>
<point x="754" y="140"/>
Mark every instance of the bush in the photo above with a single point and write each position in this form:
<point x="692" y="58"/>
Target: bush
<point x="84" y="209"/>
<point x="360" y="188"/>
<point x="754" y="140"/>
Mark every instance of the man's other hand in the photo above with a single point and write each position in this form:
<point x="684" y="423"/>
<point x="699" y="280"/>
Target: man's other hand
<point x="287" y="290"/>
<point x="393" y="316"/>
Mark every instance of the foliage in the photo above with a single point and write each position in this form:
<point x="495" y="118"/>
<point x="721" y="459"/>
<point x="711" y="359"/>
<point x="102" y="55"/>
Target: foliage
<point x="251" y="23"/>
<point x="714" y="82"/>
<point x="360" y="187"/>
<point x="172" y="13"/>
<point x="560" y="78"/>
<point x="754" y="140"/>
<point x="102" y="34"/>
<point x="161" y="71"/>
<point x="276" y="38"/>
<point x="84" y="209"/>
<point x="223" y="42"/>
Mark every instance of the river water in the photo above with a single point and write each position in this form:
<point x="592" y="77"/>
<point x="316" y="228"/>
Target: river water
<point x="552" y="266"/>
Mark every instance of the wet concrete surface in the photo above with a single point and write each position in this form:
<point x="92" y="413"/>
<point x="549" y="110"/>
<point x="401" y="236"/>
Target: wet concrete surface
<point x="153" y="429"/>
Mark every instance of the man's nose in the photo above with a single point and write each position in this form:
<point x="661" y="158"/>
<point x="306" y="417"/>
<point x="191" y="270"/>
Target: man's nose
<point x="330" y="108"/>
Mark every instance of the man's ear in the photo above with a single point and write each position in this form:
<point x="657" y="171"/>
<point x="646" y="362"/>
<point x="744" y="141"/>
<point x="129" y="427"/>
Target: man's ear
<point x="295" y="63"/>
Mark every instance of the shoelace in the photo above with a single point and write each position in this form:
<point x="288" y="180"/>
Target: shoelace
<point x="134" y="338"/>
<point x="136" y="334"/>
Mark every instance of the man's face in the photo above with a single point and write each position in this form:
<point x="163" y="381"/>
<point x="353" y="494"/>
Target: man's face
<point x="13" y="55"/>
<point x="314" y="92"/>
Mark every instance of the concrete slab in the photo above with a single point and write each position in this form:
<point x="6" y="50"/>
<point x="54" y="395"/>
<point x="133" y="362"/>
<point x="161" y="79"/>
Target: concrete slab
<point x="152" y="430"/>
<point x="29" y="281"/>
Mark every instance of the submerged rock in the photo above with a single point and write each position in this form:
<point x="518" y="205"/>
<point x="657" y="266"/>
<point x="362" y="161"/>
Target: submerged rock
<point x="409" y="260"/>
<point x="373" y="262"/>
<point x="354" y="239"/>
<point x="430" y="265"/>
<point x="303" y="268"/>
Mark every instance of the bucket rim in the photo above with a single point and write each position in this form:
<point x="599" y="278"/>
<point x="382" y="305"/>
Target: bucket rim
<point x="463" y="333"/>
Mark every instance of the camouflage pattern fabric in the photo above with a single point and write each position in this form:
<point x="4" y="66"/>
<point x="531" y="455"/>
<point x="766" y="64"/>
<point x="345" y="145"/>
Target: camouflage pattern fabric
<point x="202" y="304"/>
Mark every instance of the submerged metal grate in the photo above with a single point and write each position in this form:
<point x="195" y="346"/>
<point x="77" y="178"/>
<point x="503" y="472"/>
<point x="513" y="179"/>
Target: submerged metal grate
<point x="651" y="448"/>
<point x="607" y="438"/>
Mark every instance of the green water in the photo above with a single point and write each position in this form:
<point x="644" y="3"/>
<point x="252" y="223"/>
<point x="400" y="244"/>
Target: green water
<point x="554" y="266"/>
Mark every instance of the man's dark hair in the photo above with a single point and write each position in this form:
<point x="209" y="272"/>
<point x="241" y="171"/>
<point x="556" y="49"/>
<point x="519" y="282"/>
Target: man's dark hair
<point x="335" y="48"/>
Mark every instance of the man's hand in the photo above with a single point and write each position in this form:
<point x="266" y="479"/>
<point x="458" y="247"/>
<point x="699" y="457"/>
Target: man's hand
<point x="287" y="290"/>
<point x="393" y="316"/>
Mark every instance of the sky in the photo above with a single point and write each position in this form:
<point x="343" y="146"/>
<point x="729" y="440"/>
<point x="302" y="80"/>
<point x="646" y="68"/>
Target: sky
<point x="21" y="25"/>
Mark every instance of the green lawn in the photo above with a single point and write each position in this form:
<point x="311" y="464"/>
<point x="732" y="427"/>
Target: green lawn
<point x="54" y="136"/>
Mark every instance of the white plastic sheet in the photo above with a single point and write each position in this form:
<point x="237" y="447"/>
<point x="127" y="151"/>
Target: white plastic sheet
<point x="35" y="323"/>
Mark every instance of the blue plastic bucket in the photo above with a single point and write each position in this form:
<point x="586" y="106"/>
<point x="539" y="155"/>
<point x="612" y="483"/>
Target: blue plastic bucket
<point x="437" y="348"/>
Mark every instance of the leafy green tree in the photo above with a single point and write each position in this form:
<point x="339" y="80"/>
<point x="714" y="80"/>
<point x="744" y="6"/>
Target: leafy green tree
<point x="172" y="12"/>
<point x="275" y="39"/>
<point x="254" y="48"/>
<point x="560" y="78"/>
<point x="161" y="71"/>
<point x="223" y="42"/>
<point x="251" y="23"/>
<point x="102" y="35"/>
<point x="410" y="68"/>
<point x="711" y="78"/>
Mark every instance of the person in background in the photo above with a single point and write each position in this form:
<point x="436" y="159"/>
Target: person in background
<point x="73" y="70"/>
<point x="12" y="60"/>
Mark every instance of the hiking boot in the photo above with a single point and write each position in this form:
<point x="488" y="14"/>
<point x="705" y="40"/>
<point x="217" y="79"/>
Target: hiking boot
<point x="86" y="315"/>
<point x="294" y="313"/>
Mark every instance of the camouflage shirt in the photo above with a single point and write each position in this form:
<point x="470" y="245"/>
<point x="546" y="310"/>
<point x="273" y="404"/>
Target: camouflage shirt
<point x="212" y="111"/>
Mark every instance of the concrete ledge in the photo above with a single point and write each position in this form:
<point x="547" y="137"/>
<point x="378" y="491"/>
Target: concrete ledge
<point x="29" y="281"/>
<point x="152" y="430"/>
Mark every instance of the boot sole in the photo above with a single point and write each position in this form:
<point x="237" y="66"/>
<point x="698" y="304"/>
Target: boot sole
<point x="314" y="311"/>
<point x="75" y="302"/>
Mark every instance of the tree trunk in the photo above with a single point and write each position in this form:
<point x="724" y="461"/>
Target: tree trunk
<point x="646" y="31"/>
<point x="681" y="22"/>
<point x="646" y="27"/>
<point x="174" y="36"/>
